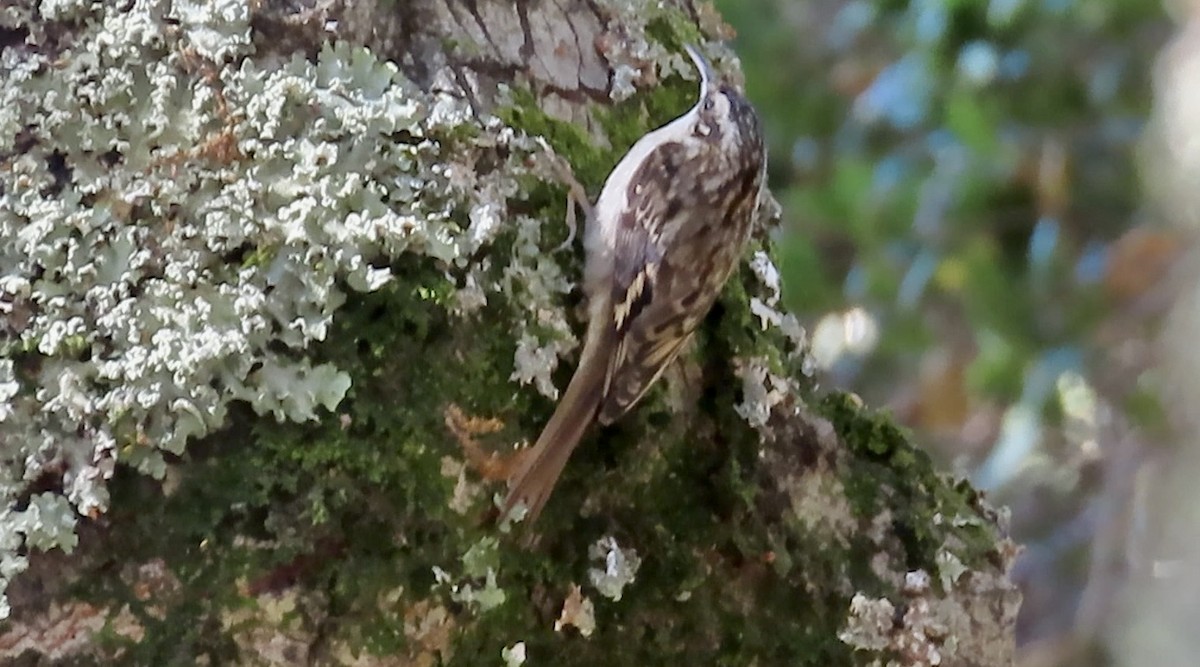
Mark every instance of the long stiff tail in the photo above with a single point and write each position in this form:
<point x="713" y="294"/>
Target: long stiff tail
<point x="534" y="482"/>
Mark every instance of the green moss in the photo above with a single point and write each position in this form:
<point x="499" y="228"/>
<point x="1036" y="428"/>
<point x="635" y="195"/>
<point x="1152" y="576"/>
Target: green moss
<point x="332" y="503"/>
<point x="623" y="123"/>
<point x="193" y="531"/>
<point x="589" y="162"/>
<point x="888" y="471"/>
<point x="673" y="30"/>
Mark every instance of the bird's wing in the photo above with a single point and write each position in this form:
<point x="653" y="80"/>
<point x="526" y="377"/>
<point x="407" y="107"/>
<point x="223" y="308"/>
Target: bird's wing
<point x="656" y="302"/>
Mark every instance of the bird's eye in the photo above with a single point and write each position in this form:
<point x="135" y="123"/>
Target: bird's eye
<point x="709" y="104"/>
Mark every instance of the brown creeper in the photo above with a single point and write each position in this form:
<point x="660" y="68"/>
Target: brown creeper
<point x="668" y="229"/>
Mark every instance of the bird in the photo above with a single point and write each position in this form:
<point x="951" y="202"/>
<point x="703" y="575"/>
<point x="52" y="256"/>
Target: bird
<point x="669" y="227"/>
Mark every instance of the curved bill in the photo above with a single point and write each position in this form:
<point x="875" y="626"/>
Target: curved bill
<point x="707" y="74"/>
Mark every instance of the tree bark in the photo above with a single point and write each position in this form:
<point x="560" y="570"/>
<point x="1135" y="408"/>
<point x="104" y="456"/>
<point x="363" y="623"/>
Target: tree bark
<point x="282" y="290"/>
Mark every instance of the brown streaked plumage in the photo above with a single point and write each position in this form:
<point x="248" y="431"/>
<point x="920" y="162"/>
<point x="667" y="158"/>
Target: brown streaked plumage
<point x="668" y="229"/>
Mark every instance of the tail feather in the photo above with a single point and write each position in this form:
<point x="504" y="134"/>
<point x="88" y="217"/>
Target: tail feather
<point x="536" y="479"/>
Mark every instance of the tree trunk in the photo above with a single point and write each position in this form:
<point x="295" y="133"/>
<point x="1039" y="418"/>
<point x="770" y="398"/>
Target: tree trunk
<point x="277" y="311"/>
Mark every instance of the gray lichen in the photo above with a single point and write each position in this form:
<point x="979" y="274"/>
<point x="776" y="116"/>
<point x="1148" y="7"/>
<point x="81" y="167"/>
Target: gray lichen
<point x="179" y="220"/>
<point x="616" y="569"/>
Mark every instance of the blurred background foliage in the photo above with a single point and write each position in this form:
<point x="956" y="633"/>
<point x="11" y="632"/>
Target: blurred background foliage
<point x="966" y="238"/>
